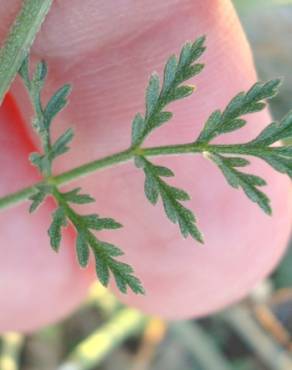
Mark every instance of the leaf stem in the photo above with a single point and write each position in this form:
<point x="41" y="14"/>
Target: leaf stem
<point x="19" y="40"/>
<point x="89" y="353"/>
<point x="71" y="214"/>
<point x="243" y="323"/>
<point x="12" y="343"/>
<point x="125" y="156"/>
<point x="93" y="166"/>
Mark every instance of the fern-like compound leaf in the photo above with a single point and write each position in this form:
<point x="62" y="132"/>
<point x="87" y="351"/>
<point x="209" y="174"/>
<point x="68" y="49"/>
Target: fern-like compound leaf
<point x="158" y="97"/>
<point x="105" y="254"/>
<point x="229" y="158"/>
<point x="247" y="182"/>
<point x="243" y="103"/>
<point x="171" y="197"/>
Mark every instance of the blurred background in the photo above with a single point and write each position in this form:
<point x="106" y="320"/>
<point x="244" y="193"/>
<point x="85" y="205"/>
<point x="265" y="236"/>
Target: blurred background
<point x="255" y="334"/>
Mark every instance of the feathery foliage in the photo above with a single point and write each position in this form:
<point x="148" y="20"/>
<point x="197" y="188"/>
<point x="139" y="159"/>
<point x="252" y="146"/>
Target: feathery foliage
<point x="229" y="158"/>
<point x="237" y="179"/>
<point x="85" y="225"/>
<point x="176" y="72"/>
<point x="279" y="157"/>
<point x="171" y="197"/>
<point x="243" y="103"/>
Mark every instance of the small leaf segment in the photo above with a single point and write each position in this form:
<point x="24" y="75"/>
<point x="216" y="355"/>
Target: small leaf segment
<point x="85" y="225"/>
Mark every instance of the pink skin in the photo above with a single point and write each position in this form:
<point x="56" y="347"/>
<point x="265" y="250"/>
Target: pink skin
<point x="107" y="49"/>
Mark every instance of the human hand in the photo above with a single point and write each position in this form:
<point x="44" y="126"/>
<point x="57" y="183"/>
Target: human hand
<point x="107" y="50"/>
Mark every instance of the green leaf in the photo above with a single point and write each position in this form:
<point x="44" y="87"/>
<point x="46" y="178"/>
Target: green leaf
<point x="40" y="75"/>
<point x="247" y="182"/>
<point x="57" y="102"/>
<point x="251" y="101"/>
<point x="61" y="145"/>
<point x="152" y="94"/>
<point x="122" y="272"/>
<point x="185" y="56"/>
<point x="94" y="222"/>
<point x="125" y="279"/>
<point x="42" y="191"/>
<point x="243" y="103"/>
<point x="279" y="163"/>
<point x="233" y="125"/>
<point x="105" y="253"/>
<point x="187" y="224"/>
<point x="82" y="249"/>
<point x="36" y="159"/>
<point x="110" y="249"/>
<point x="169" y="74"/>
<point x="121" y="282"/>
<point x="42" y="162"/>
<point x="263" y="90"/>
<point x="102" y="269"/>
<point x="192" y="71"/>
<point x="138" y="127"/>
<point x="191" y="52"/>
<point x="163" y="171"/>
<point x="59" y="221"/>
<point x="280" y="158"/>
<point x="151" y="188"/>
<point x="275" y="132"/>
<point x="181" y="92"/>
<point x="73" y="196"/>
<point x="209" y="130"/>
<point x="160" y="118"/>
<point x="122" y="267"/>
<point x="135" y="284"/>
<point x="37" y="200"/>
<point x="41" y="71"/>
<point x="175" y="73"/>
<point x="178" y="194"/>
<point x="171" y="196"/>
<point x="236" y="161"/>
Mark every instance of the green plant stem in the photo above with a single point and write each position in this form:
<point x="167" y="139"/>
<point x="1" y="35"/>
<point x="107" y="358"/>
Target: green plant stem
<point x="19" y="40"/>
<point x="10" y="350"/>
<point x="200" y="345"/>
<point x="72" y="215"/>
<point x="89" y="353"/>
<point x="270" y="352"/>
<point x="93" y="166"/>
<point x="125" y="156"/>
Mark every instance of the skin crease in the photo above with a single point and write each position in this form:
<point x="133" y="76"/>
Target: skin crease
<point x="107" y="50"/>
